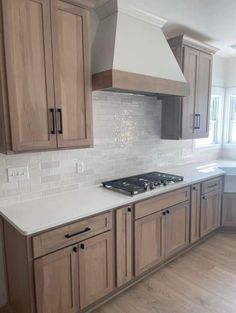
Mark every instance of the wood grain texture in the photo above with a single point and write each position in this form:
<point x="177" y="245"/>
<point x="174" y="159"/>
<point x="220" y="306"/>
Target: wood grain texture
<point x="176" y="229"/>
<point x="204" y="94"/>
<point x="57" y="283"/>
<point x="211" y="185"/>
<point x="202" y="281"/>
<point x="27" y="39"/>
<point x="195" y="213"/>
<point x="72" y="74"/>
<point x="131" y="82"/>
<point x="210" y="212"/>
<point x="149" y="242"/>
<point x="96" y="268"/>
<point x="229" y="210"/>
<point x="161" y="202"/>
<point x="124" y="245"/>
<point x="56" y="239"/>
<point x="19" y="271"/>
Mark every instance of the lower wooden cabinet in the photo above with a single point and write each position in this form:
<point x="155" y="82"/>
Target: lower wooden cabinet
<point x="96" y="268"/>
<point x="124" y="245"/>
<point x="210" y="212"/>
<point x="57" y="282"/>
<point x="176" y="228"/>
<point x="195" y="213"/>
<point x="149" y="242"/>
<point x="229" y="210"/>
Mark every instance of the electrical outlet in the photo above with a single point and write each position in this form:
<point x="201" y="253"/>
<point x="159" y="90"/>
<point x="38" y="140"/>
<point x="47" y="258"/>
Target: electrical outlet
<point x="80" y="167"/>
<point x="18" y="173"/>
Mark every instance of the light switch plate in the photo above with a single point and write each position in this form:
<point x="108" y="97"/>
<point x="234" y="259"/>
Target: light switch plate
<point x="80" y="167"/>
<point x="18" y="173"/>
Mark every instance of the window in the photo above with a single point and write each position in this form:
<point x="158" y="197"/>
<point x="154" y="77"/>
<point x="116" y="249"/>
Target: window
<point x="232" y="120"/>
<point x="215" y="124"/>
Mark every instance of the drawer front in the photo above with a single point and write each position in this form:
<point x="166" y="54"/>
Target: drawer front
<point x="211" y="185"/>
<point x="70" y="234"/>
<point x="161" y="202"/>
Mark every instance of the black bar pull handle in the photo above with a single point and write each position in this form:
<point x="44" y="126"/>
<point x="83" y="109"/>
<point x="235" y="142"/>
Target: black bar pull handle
<point x="59" y="121"/>
<point x="68" y="236"/>
<point x="197" y="121"/>
<point x="52" y="122"/>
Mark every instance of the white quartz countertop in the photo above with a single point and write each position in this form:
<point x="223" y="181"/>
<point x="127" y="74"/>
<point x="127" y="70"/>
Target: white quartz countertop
<point x="39" y="215"/>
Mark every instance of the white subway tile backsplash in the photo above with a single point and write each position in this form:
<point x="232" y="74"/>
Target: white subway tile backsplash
<point x="126" y="141"/>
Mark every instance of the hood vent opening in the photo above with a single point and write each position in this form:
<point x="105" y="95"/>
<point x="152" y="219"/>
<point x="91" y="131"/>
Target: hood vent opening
<point x="131" y="54"/>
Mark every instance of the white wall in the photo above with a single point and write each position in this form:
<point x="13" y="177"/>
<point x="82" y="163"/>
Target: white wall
<point x="218" y="71"/>
<point x="230" y="72"/>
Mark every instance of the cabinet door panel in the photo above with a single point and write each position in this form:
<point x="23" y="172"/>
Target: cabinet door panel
<point x="204" y="94"/>
<point x="27" y="38"/>
<point x="191" y="59"/>
<point x="177" y="229"/>
<point x="124" y="245"/>
<point x="149" y="242"/>
<point x="195" y="213"/>
<point x="96" y="268"/>
<point x="229" y="210"/>
<point x="72" y="74"/>
<point x="56" y="282"/>
<point x="210" y="212"/>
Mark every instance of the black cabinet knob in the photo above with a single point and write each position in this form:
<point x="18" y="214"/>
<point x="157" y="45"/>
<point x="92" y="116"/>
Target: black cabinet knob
<point x="82" y="246"/>
<point x="75" y="249"/>
<point x="129" y="210"/>
<point x="163" y="213"/>
<point x="204" y="198"/>
<point x="168" y="212"/>
<point x="194" y="188"/>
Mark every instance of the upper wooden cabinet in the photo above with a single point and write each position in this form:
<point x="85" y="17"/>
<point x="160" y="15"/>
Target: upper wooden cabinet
<point x="188" y="117"/>
<point x="45" y="76"/>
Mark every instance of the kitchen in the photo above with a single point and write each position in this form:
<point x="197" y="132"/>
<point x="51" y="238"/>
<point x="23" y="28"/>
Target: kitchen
<point x="150" y="105"/>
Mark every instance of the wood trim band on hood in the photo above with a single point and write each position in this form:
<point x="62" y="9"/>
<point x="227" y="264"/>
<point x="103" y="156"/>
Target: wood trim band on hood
<point x="114" y="80"/>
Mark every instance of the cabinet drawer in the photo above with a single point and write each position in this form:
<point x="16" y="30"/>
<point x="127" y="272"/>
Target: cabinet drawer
<point x="211" y="185"/>
<point x="70" y="234"/>
<point x="159" y="203"/>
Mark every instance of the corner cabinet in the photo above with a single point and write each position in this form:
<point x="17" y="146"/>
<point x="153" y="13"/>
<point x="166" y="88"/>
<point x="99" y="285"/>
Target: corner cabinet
<point x="188" y="117"/>
<point x="45" y="75"/>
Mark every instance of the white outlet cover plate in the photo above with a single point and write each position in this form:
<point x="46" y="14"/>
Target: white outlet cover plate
<point x="18" y="173"/>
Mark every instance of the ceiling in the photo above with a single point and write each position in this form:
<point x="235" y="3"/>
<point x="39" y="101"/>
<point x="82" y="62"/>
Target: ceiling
<point x="211" y="21"/>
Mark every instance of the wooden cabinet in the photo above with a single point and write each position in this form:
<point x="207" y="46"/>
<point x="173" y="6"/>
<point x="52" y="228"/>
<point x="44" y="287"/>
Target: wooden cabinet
<point x="229" y="210"/>
<point x="195" y="213"/>
<point x="124" y="245"/>
<point x="176" y="229"/>
<point x="45" y="76"/>
<point x="57" y="283"/>
<point x="188" y="117"/>
<point x="96" y="268"/>
<point x="149" y="242"/>
<point x="210" y="211"/>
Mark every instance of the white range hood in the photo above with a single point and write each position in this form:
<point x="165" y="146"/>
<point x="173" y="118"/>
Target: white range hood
<point x="130" y="53"/>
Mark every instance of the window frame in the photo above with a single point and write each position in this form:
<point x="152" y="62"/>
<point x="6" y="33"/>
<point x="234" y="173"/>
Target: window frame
<point x="216" y="91"/>
<point x="229" y="93"/>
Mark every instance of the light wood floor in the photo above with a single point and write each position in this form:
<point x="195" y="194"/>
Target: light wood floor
<point x="202" y="281"/>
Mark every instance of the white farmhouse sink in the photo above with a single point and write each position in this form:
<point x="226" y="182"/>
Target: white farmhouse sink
<point x="230" y="179"/>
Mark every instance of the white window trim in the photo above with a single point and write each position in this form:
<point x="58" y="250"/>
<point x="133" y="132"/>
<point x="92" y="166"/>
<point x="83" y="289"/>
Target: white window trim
<point x="216" y="91"/>
<point x="228" y="93"/>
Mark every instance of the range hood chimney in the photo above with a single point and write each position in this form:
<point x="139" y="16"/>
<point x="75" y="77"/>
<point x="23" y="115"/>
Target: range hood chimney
<point x="130" y="53"/>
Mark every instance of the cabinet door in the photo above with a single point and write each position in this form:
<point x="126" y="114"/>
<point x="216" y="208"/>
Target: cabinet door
<point x="190" y="69"/>
<point x="149" y="242"/>
<point x="202" y="109"/>
<point x="195" y="213"/>
<point x="124" y="245"/>
<point x="72" y="75"/>
<point x="210" y="212"/>
<point x="27" y="35"/>
<point x="96" y="268"/>
<point x="56" y="282"/>
<point x="177" y="229"/>
<point x="229" y="210"/>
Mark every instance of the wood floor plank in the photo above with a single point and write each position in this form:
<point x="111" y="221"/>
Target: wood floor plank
<point x="202" y="281"/>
